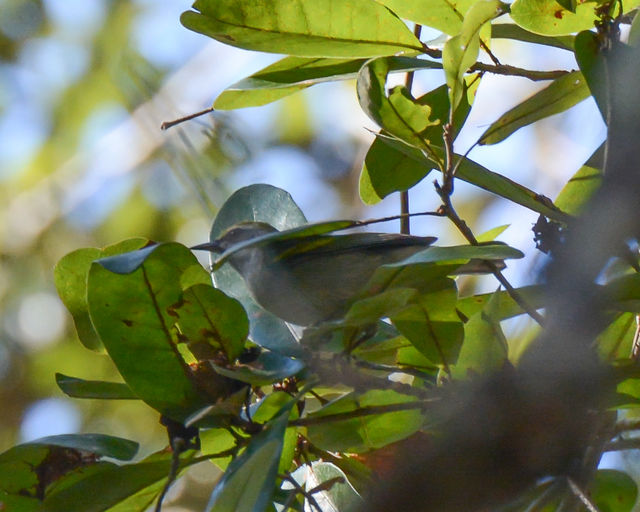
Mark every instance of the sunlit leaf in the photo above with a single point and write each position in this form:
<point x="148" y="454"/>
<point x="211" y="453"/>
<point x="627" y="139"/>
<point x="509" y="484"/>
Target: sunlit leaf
<point x="461" y="51"/>
<point x="293" y="74"/>
<point x="70" y="276"/>
<point x="575" y="195"/>
<point x="306" y="28"/>
<point x="442" y="15"/>
<point x="548" y="17"/>
<point x="562" y="94"/>
<point x="340" y="496"/>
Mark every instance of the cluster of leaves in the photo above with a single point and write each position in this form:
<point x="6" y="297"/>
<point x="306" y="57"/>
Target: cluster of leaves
<point x="314" y="420"/>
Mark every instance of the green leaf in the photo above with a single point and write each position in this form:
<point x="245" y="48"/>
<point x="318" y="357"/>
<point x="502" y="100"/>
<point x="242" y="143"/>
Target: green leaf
<point x="99" y="444"/>
<point x="132" y="313"/>
<point x="19" y="503"/>
<point x="249" y="481"/>
<point x="275" y="206"/>
<point x="616" y="341"/>
<point x="364" y="432"/>
<point x="306" y="28"/>
<point x="533" y="295"/>
<point x="575" y="195"/>
<point x="613" y="491"/>
<point x="369" y="310"/>
<point x="293" y="74"/>
<point x="562" y="94"/>
<point x="549" y="18"/>
<point x="340" y="496"/>
<point x="432" y="325"/>
<point x="492" y="234"/>
<point x="387" y="170"/>
<point x="517" y="33"/>
<point x="100" y="486"/>
<point x="453" y="254"/>
<point x="442" y="15"/>
<point x="398" y="113"/>
<point x="461" y="51"/>
<point x="592" y="62"/>
<point x="70" y="275"/>
<point x="208" y="317"/>
<point x="80" y="388"/>
<point x="267" y="368"/>
<point x="484" y="349"/>
<point x="474" y="173"/>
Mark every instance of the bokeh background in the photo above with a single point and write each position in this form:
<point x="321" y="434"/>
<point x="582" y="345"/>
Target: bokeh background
<point x="84" y="87"/>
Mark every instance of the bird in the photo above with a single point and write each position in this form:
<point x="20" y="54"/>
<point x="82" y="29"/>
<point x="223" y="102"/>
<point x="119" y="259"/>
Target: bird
<point x="310" y="279"/>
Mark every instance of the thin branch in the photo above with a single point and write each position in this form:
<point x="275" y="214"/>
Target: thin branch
<point x="581" y="495"/>
<point x="168" y="124"/>
<point x="405" y="226"/>
<point x="507" y="70"/>
<point x="393" y="369"/>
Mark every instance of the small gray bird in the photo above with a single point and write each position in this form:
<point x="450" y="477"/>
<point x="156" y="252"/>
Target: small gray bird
<point x="310" y="279"/>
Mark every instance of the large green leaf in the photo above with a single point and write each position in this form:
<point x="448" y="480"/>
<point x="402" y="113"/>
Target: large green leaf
<point x="80" y="388"/>
<point x="562" y="94"/>
<point x="613" y="491"/>
<point x="70" y="276"/>
<point x="340" y="495"/>
<point x="306" y="28"/>
<point x="442" y="15"/>
<point x="293" y="74"/>
<point x="549" y="18"/>
<point x="485" y="348"/>
<point x="615" y="342"/>
<point x="461" y="51"/>
<point x="249" y="481"/>
<point x="367" y="431"/>
<point x="275" y="206"/>
<point x="131" y="299"/>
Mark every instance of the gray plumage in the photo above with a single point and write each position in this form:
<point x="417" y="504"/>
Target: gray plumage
<point x="310" y="279"/>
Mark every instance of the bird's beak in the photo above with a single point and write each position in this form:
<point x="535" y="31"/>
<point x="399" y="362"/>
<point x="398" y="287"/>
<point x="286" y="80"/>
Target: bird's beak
<point x="209" y="246"/>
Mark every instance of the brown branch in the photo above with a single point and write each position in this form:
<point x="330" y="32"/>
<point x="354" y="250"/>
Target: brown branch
<point x="168" y="124"/>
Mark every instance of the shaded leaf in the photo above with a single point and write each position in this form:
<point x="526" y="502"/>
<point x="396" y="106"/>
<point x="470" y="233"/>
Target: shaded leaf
<point x="263" y="203"/>
<point x="80" y="388"/>
<point x="484" y="349"/>
<point x="305" y="28"/>
<point x="534" y="295"/>
<point x="267" y="368"/>
<point x="132" y="313"/>
<point x="517" y="33"/>
<point x="366" y="431"/>
<point x="207" y="316"/>
<point x="249" y="481"/>
<point x="562" y="94"/>
<point x="613" y="491"/>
